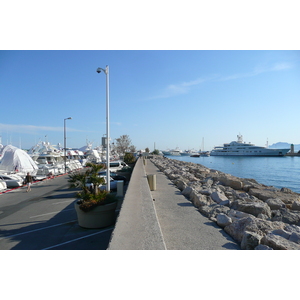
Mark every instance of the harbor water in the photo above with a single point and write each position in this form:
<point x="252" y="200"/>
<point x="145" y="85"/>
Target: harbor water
<point x="272" y="171"/>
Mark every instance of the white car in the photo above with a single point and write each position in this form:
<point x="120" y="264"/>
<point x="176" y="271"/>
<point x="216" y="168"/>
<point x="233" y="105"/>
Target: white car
<point x="12" y="180"/>
<point x="118" y="165"/>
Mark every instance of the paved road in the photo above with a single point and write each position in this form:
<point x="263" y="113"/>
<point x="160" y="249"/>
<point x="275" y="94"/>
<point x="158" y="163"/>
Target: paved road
<point x="45" y="218"/>
<point x="182" y="225"/>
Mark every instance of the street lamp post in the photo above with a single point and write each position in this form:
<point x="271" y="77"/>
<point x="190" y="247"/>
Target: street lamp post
<point x="65" y="142"/>
<point x="106" y="72"/>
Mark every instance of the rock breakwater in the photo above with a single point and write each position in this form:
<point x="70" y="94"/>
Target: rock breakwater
<point x="259" y="217"/>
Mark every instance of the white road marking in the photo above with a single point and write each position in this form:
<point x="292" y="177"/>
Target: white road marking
<point x="63" y="202"/>
<point x="83" y="237"/>
<point x="55" y="212"/>
<point x="34" y="230"/>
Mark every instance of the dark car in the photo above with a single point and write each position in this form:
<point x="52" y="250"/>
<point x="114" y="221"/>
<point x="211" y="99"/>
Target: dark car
<point x="114" y="176"/>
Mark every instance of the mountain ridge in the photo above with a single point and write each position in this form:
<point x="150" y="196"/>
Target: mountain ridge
<point x="284" y="145"/>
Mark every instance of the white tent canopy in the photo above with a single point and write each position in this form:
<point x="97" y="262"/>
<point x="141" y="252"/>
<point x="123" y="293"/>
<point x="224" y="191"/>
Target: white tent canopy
<point x="17" y="160"/>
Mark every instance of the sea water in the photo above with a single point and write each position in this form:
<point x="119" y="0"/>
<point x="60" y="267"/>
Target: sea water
<point x="272" y="171"/>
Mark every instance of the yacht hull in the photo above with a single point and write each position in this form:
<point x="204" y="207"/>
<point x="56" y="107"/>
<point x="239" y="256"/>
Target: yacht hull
<point x="264" y="152"/>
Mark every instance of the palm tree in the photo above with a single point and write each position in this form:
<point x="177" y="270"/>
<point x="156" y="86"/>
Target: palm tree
<point x="80" y="179"/>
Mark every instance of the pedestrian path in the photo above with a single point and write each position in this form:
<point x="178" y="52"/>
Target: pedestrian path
<point x="182" y="225"/>
<point x="137" y="227"/>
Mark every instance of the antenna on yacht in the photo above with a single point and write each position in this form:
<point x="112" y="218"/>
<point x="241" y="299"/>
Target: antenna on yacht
<point x="240" y="138"/>
<point x="267" y="144"/>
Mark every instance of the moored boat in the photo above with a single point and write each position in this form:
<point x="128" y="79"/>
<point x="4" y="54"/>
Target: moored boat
<point x="204" y="153"/>
<point x="195" y="155"/>
<point x="173" y="152"/>
<point x="240" y="148"/>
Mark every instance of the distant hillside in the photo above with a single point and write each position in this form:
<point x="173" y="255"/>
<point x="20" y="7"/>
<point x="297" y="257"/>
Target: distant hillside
<point x="281" y="145"/>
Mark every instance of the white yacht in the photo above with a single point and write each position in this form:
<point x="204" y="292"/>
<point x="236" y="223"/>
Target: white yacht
<point x="173" y="152"/>
<point x="240" y="148"/>
<point x="48" y="159"/>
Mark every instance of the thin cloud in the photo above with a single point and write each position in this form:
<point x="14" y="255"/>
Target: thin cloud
<point x="31" y="128"/>
<point x="282" y="66"/>
<point x="181" y="88"/>
<point x="184" y="87"/>
<point x="257" y="71"/>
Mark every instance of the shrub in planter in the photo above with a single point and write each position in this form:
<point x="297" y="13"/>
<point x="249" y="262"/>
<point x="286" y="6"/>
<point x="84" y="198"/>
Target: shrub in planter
<point x="90" y="195"/>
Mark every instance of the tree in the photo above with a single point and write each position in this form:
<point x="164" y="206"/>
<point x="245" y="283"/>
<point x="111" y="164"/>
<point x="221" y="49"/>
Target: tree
<point x="155" y="152"/>
<point x="124" y="144"/>
<point x="132" y="148"/>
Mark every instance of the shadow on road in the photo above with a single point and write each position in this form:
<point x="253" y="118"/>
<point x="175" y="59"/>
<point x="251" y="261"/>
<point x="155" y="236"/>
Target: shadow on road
<point x="61" y="232"/>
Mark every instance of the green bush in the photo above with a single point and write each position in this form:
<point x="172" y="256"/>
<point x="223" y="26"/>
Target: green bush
<point x="129" y="158"/>
<point x="155" y="152"/>
<point x="93" y="196"/>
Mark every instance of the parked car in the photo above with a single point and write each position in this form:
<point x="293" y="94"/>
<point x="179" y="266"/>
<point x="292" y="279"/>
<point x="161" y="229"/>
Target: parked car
<point x="114" y="176"/>
<point x="117" y="165"/>
<point x="12" y="180"/>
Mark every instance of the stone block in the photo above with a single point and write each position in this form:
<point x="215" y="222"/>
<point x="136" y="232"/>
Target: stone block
<point x="275" y="203"/>
<point x="296" y="205"/>
<point x="278" y="242"/>
<point x="218" y="197"/>
<point x="223" y="220"/>
<point x="250" y="240"/>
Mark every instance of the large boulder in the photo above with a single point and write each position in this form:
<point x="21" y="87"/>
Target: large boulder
<point x="223" y="220"/>
<point x="229" y="180"/>
<point x="181" y="183"/>
<point x="237" y="215"/>
<point x="250" y="183"/>
<point x="206" y="191"/>
<point x="250" y="240"/>
<point x="267" y="193"/>
<point x="275" y="203"/>
<point x="287" y="216"/>
<point x="218" y="197"/>
<point x="295" y="237"/>
<point x="187" y="191"/>
<point x="252" y="207"/>
<point x="218" y="209"/>
<point x="211" y="211"/>
<point x="200" y="200"/>
<point x="237" y="228"/>
<point x="278" y="242"/>
<point x="252" y="224"/>
<point x="296" y="205"/>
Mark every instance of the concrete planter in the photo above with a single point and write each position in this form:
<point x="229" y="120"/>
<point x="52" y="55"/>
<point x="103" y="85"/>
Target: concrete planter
<point x="98" y="217"/>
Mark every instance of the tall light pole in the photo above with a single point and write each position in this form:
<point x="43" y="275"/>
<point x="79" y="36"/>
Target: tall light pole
<point x="106" y="72"/>
<point x="65" y="142"/>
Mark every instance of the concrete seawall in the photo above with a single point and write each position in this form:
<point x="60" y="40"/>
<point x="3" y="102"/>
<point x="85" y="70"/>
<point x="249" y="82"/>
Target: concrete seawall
<point x="137" y="227"/>
<point x="163" y="219"/>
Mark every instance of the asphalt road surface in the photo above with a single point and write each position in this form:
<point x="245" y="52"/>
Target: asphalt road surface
<point x="45" y="219"/>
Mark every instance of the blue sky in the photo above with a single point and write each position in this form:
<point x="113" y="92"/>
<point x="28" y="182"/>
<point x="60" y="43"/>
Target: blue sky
<point x="167" y="98"/>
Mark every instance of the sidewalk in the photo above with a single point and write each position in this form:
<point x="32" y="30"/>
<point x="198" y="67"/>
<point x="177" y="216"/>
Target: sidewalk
<point x="137" y="227"/>
<point x="182" y="225"/>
